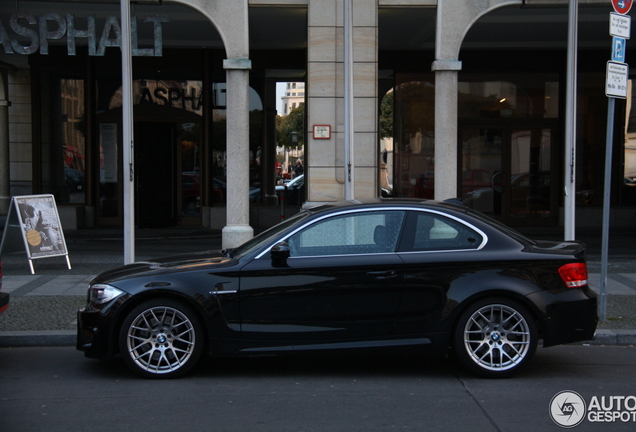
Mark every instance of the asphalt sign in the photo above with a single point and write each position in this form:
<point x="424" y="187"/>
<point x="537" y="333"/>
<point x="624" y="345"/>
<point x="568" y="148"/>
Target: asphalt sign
<point x="622" y="6"/>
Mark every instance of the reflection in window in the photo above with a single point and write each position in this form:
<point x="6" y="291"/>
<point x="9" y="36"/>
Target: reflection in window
<point x="358" y="233"/>
<point x="629" y="176"/>
<point x="519" y="96"/>
<point x="434" y="232"/>
<point x="72" y="190"/>
<point x="190" y="134"/>
<point x="407" y="166"/>
<point x="414" y="144"/>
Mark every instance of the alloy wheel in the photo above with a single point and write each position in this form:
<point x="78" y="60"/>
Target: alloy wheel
<point x="161" y="340"/>
<point x="497" y="337"/>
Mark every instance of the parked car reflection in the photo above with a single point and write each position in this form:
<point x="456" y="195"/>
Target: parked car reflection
<point x="529" y="193"/>
<point x="293" y="191"/>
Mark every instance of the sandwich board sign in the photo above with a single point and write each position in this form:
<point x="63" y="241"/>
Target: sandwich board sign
<point x="34" y="223"/>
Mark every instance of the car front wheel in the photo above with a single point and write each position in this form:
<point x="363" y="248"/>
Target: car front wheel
<point x="495" y="337"/>
<point x="161" y="338"/>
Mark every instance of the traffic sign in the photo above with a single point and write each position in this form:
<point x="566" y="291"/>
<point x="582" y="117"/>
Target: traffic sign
<point x="618" y="49"/>
<point x="620" y="25"/>
<point x="616" y="80"/>
<point x="622" y="6"/>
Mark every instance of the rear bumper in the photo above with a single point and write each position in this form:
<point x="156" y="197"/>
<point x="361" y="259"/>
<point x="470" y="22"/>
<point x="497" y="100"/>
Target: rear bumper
<point x="570" y="316"/>
<point x="4" y="302"/>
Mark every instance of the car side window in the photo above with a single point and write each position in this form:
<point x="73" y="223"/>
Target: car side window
<point x="436" y="232"/>
<point x="354" y="233"/>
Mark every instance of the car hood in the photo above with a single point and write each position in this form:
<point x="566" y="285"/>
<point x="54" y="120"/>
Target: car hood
<point x="205" y="260"/>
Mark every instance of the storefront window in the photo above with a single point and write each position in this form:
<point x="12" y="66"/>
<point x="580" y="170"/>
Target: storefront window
<point x="518" y="96"/>
<point x="505" y="126"/>
<point x="413" y="145"/>
<point x="219" y="146"/>
<point x="63" y="130"/>
<point x="629" y="172"/>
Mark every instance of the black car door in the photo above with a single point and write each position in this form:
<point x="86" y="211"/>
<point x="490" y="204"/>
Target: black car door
<point x="438" y="250"/>
<point x="341" y="282"/>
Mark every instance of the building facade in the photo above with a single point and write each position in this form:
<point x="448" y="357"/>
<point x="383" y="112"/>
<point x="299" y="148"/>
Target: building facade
<point x="293" y="97"/>
<point x="409" y="98"/>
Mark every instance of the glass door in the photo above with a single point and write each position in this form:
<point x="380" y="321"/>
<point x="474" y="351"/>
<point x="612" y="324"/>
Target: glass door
<point x="509" y="173"/>
<point x="155" y="185"/>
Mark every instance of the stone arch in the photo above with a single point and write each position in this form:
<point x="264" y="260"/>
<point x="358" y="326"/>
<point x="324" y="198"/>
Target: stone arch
<point x="230" y="18"/>
<point x="454" y="22"/>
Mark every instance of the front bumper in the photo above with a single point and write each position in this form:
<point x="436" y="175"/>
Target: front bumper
<point x="93" y="335"/>
<point x="97" y="328"/>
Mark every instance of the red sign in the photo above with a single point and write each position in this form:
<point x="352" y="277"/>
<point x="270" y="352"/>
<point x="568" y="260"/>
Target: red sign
<point x="622" y="6"/>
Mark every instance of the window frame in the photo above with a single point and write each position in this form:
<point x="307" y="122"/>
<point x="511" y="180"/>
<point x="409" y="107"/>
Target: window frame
<point x="409" y="233"/>
<point x="351" y="247"/>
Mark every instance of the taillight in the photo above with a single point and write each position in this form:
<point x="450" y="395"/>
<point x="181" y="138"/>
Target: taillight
<point x="574" y="274"/>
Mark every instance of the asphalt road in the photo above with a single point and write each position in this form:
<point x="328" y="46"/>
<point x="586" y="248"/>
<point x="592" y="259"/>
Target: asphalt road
<point x="57" y="389"/>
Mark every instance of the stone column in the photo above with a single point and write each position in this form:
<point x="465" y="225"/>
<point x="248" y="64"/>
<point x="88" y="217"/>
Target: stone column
<point x="238" y="230"/>
<point x="325" y="169"/>
<point x="446" y="72"/>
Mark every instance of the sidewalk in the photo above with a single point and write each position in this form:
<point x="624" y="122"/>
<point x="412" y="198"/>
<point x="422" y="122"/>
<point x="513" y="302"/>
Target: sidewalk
<point x="43" y="306"/>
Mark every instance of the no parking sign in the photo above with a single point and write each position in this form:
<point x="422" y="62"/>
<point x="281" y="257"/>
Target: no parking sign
<point x="622" y="6"/>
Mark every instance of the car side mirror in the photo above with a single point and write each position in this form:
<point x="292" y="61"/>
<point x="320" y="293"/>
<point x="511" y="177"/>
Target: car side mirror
<point x="279" y="253"/>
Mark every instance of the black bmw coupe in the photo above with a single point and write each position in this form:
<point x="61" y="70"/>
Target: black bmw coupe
<point x="376" y="276"/>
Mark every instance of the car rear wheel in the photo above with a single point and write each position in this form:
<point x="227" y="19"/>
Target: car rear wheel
<point x="161" y="338"/>
<point x="495" y="337"/>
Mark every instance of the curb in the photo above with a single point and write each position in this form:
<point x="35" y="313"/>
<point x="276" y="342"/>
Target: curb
<point x="41" y="338"/>
<point x="614" y="337"/>
<point x="51" y="338"/>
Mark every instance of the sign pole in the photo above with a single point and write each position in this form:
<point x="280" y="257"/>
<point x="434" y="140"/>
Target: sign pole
<point x="569" y="204"/>
<point x="611" y="106"/>
<point x="615" y="87"/>
<point x="128" y="177"/>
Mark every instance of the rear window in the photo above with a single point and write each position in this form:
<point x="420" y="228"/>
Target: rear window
<point x="432" y="232"/>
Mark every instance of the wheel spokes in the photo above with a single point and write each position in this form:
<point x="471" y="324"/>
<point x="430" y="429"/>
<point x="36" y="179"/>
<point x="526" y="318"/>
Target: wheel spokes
<point x="161" y="340"/>
<point x="497" y="337"/>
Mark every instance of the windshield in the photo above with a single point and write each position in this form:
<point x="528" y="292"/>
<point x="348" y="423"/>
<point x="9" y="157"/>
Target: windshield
<point x="267" y="235"/>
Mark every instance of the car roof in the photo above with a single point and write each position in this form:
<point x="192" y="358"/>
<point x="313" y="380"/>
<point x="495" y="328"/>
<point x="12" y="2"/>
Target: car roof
<point x="452" y="205"/>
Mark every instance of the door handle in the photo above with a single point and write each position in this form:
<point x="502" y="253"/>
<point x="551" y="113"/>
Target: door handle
<point x="383" y="274"/>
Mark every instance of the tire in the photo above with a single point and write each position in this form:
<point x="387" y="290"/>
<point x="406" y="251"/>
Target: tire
<point x="161" y="338"/>
<point x="495" y="337"/>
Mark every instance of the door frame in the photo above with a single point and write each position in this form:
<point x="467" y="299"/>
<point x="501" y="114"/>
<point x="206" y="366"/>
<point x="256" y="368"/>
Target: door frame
<point x="150" y="113"/>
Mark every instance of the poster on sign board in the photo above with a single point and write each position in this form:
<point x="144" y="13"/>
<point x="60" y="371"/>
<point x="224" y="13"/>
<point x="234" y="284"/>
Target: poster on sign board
<point x="40" y="224"/>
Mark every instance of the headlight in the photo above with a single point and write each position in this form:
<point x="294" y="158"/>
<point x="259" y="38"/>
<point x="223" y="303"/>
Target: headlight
<point x="100" y="293"/>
